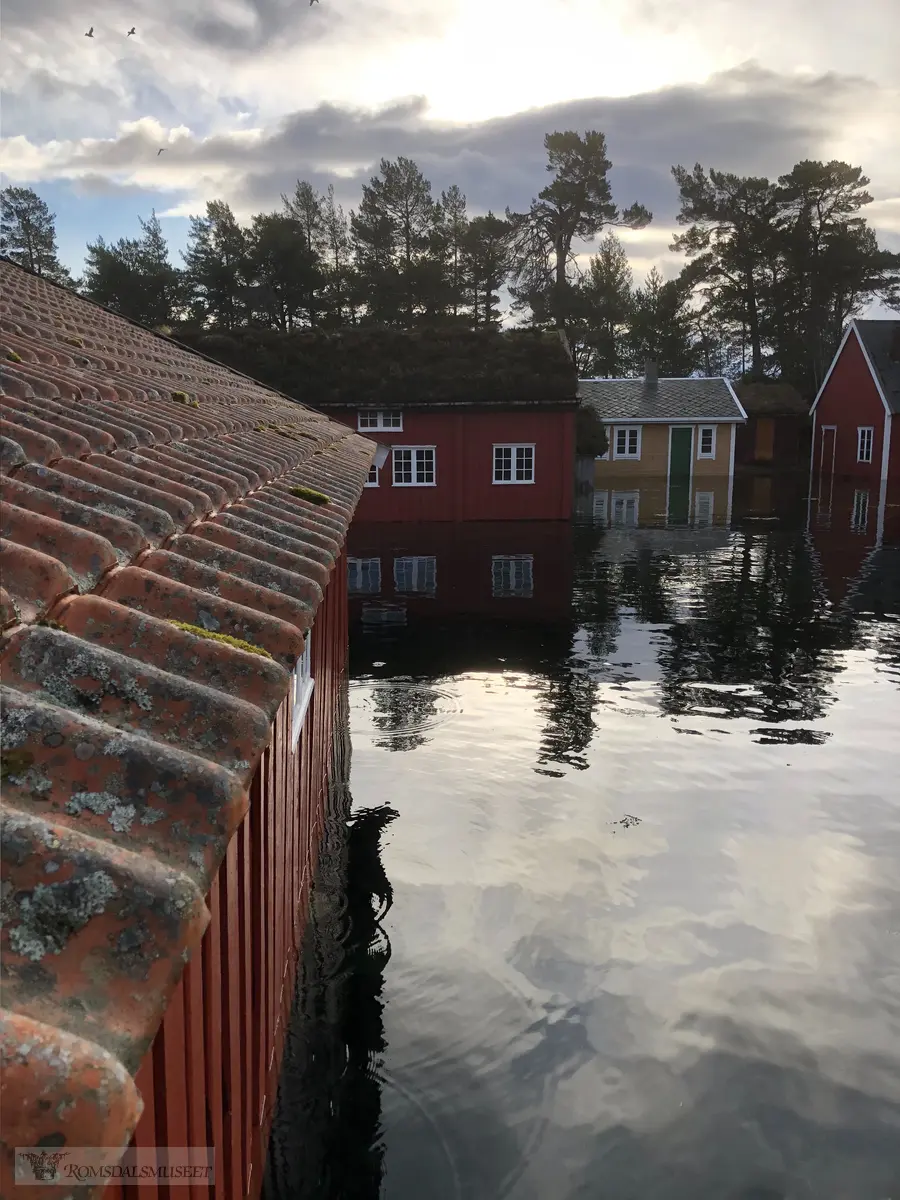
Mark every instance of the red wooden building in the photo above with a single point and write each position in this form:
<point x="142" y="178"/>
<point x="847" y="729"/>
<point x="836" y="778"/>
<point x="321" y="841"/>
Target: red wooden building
<point x="856" y="420"/>
<point x="174" y="637"/>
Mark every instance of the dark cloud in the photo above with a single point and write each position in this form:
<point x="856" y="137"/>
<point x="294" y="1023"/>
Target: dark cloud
<point x="747" y="120"/>
<point x="49" y="107"/>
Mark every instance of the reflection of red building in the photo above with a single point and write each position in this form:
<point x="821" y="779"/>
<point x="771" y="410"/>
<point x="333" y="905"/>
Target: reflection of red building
<point x="856" y="431"/>
<point x="514" y="571"/>
<point x="469" y="463"/>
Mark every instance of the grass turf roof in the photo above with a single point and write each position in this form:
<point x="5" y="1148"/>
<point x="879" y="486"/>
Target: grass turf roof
<point x="375" y="366"/>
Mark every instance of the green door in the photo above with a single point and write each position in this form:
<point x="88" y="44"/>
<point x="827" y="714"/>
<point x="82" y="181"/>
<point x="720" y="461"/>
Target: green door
<point x="680" y="451"/>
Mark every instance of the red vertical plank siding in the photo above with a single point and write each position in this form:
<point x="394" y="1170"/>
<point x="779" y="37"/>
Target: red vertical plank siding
<point x="210" y="1078"/>
<point x="211" y="960"/>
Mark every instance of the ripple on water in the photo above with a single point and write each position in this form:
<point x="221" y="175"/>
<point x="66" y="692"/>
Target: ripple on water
<point x="400" y="711"/>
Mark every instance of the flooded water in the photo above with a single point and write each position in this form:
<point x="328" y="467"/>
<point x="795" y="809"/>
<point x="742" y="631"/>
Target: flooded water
<point x="610" y="904"/>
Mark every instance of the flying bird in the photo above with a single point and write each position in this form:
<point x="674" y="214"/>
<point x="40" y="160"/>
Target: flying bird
<point x="159" y="152"/>
<point x="131" y="31"/>
<point x="90" y="32"/>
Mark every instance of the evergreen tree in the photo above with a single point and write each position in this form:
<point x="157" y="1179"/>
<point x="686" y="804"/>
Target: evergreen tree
<point x="285" y="270"/>
<point x="575" y="206"/>
<point x="450" y="243"/>
<point x="602" y="310"/>
<point x="336" y="262"/>
<point x="217" y="266"/>
<point x="134" y="276"/>
<point x="486" y="259"/>
<point x="28" y="234"/>
<point x="661" y="328"/>
<point x="393" y="232"/>
<point x="307" y="210"/>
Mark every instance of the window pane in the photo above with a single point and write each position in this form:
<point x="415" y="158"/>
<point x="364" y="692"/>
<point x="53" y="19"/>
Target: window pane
<point x="502" y="463"/>
<point x="621" y="441"/>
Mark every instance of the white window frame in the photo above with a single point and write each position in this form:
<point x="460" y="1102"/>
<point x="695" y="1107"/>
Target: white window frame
<point x="514" y="448"/>
<point x="700" y="432"/>
<point x="710" y="497"/>
<point x="302" y="684"/>
<point x="414" y="449"/>
<point x="859" y="517"/>
<point x="356" y="564"/>
<point x="370" y="483"/>
<point x="627" y="429"/>
<point x="422" y="566"/>
<point x="624" y="498"/>
<point x="601" y="508"/>
<point x="865" y="439"/>
<point x="380" y="419"/>
<point x="511" y="561"/>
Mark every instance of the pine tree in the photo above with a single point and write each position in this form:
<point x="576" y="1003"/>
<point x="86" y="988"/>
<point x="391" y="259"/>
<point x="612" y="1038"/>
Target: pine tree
<point x="134" y="277"/>
<point x="486" y="259"/>
<point x="661" y="328"/>
<point x="28" y="234"/>
<point x="216" y="265"/>
<point x="603" y="308"/>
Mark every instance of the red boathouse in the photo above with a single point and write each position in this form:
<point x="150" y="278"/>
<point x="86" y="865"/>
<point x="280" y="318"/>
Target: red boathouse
<point x="856" y="423"/>
<point x="174" y="638"/>
<point x="473" y="425"/>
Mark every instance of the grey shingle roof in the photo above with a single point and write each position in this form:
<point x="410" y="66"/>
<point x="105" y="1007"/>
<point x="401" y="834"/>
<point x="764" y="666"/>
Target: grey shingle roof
<point x="882" y="342"/>
<point x="670" y="399"/>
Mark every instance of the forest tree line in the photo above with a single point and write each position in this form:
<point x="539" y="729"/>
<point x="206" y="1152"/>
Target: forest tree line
<point x="772" y="270"/>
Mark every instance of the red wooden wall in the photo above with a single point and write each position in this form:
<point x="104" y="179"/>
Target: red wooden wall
<point x="465" y="490"/>
<point x="210" y="1078"/>
<point x="850" y="399"/>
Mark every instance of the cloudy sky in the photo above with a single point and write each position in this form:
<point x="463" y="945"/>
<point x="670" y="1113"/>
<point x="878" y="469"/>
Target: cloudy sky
<point x="249" y="95"/>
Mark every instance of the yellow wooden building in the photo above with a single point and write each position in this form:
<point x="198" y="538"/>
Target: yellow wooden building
<point x="672" y="439"/>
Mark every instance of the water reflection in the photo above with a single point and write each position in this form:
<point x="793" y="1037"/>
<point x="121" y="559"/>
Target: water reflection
<point x="639" y="852"/>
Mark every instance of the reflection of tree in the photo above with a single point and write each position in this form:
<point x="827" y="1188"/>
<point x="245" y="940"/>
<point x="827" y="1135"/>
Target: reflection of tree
<point x="326" y="1133"/>
<point x="404" y="709"/>
<point x="764" y="621"/>
<point x="567" y="708"/>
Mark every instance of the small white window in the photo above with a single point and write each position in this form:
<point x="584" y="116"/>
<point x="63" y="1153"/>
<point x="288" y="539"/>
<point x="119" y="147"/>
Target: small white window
<point x="414" y="466"/>
<point x="706" y="443"/>
<point x="627" y="442"/>
<point x="364" y="576"/>
<point x="417" y="574"/>
<point x="703" y="509"/>
<point x="625" y="509"/>
<point x="512" y="575"/>
<point x="371" y="418"/>
<point x="601" y="508"/>
<point x="514" y="464"/>
<point x="372" y="478"/>
<point x="301" y="692"/>
<point x="865" y="436"/>
<point x="860" y="518"/>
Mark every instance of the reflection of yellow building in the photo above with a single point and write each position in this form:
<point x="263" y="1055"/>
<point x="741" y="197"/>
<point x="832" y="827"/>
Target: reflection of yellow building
<point x="634" y="499"/>
<point x="675" y="436"/>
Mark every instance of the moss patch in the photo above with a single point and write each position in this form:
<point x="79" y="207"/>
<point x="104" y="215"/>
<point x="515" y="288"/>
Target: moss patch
<point x="15" y="762"/>
<point x="310" y="494"/>
<point x="73" y="341"/>
<point x="184" y="398"/>
<point x="49" y="624"/>
<point x="227" y="639"/>
<point x="13" y="357"/>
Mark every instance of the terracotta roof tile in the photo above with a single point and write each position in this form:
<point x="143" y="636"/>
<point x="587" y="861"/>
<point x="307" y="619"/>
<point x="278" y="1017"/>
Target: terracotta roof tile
<point x="143" y="485"/>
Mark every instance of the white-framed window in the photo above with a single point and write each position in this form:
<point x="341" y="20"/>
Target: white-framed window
<point x="860" y="516"/>
<point x="512" y="575"/>
<point x="703" y="509"/>
<point x="601" y="508"/>
<point x="364" y="576"/>
<point x="416" y="574"/>
<point x="627" y="441"/>
<point x="625" y="509"/>
<point x="370" y="419"/>
<point x="372" y="478"/>
<point x="514" y="463"/>
<point x="865" y="438"/>
<point x="414" y="466"/>
<point x="706" y="442"/>
<point x="301" y="692"/>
